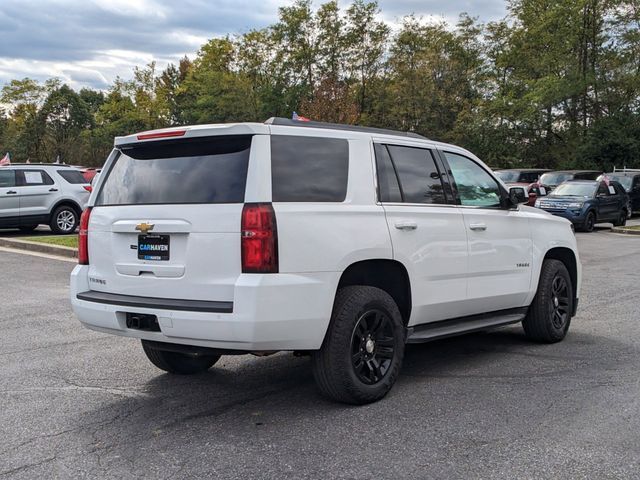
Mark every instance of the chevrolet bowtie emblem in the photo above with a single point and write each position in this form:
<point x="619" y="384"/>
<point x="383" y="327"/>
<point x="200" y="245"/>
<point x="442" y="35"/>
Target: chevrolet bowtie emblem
<point x="145" y="227"/>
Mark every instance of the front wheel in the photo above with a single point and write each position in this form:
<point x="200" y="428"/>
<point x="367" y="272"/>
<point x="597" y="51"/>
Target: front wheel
<point x="549" y="315"/>
<point x="590" y="222"/>
<point x="362" y="353"/>
<point x="178" y="363"/>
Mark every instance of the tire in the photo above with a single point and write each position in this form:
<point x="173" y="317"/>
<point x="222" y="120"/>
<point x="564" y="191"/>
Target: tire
<point x="622" y="220"/>
<point x="28" y="228"/>
<point x="64" y="220"/>
<point x="589" y="223"/>
<point x="179" y="363"/>
<point x="362" y="352"/>
<point x="549" y="315"/>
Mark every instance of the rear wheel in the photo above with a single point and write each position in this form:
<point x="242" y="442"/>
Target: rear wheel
<point x="549" y="315"/>
<point x="590" y="222"/>
<point x="179" y="363"/>
<point x="64" y="220"/>
<point x="622" y="219"/>
<point x="362" y="353"/>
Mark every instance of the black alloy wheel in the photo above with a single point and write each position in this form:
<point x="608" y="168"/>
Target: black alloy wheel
<point x="372" y="346"/>
<point x="559" y="302"/>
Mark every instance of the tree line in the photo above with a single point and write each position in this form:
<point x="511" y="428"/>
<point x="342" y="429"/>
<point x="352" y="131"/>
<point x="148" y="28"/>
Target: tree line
<point x="554" y="84"/>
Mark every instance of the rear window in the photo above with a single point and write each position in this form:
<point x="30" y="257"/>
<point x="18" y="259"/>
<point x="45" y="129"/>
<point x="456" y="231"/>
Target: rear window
<point x="72" y="176"/>
<point x="208" y="170"/>
<point x="309" y="169"/>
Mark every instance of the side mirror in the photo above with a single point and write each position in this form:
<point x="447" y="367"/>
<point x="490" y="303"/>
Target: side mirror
<point x="518" y="195"/>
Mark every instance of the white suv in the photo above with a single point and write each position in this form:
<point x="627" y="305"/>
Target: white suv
<point x="36" y="193"/>
<point x="342" y="242"/>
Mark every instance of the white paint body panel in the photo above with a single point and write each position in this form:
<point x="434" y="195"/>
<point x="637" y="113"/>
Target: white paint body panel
<point x="454" y="271"/>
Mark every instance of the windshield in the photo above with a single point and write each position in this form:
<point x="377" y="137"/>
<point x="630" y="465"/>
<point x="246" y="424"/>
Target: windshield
<point x="571" y="189"/>
<point x="555" y="178"/>
<point x="508" y="176"/>
<point x="623" y="180"/>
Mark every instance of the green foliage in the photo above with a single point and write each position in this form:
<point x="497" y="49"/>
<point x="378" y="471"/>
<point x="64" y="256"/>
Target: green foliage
<point x="554" y="84"/>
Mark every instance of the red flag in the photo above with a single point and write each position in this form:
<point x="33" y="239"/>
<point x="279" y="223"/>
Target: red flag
<point x="6" y="160"/>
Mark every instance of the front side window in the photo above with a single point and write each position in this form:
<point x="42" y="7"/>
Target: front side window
<point x="7" y="178"/>
<point x="419" y="178"/>
<point x="309" y="169"/>
<point x="476" y="188"/>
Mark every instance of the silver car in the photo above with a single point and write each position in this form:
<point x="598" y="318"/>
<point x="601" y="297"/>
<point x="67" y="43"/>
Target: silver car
<point x="34" y="194"/>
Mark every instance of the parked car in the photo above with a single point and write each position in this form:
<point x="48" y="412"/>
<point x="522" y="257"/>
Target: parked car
<point x="90" y="173"/>
<point x="32" y="194"/>
<point x="630" y="181"/>
<point x="551" y="180"/>
<point x="587" y="202"/>
<point x="520" y="175"/>
<point x="341" y="242"/>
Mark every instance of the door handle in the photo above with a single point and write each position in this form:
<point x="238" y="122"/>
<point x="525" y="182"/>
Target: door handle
<point x="11" y="192"/>
<point x="53" y="189"/>
<point x="478" y="226"/>
<point x="406" y="225"/>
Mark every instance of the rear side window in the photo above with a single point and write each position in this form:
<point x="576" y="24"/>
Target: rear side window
<point x="208" y="170"/>
<point x="34" y="178"/>
<point x="309" y="169"/>
<point x="418" y="175"/>
<point x="7" y="178"/>
<point x="388" y="186"/>
<point x="72" y="176"/>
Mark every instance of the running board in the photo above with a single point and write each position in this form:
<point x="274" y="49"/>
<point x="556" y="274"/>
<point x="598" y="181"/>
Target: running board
<point x="458" y="326"/>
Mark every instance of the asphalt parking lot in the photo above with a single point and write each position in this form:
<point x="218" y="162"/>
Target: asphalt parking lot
<point x="78" y="404"/>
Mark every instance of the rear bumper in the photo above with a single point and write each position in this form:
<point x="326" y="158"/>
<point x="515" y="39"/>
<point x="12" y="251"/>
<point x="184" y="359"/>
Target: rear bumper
<point x="268" y="312"/>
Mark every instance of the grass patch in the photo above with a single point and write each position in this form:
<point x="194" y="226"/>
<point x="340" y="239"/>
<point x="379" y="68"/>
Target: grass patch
<point x="63" y="240"/>
<point x="632" y="227"/>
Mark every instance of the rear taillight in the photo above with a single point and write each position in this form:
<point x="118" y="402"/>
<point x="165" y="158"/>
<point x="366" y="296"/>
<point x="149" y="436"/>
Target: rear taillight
<point x="88" y="188"/>
<point x="259" y="242"/>
<point x="83" y="237"/>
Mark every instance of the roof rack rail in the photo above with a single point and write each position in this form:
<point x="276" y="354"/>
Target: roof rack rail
<point x="339" y="126"/>
<point x="625" y="170"/>
<point x="38" y="164"/>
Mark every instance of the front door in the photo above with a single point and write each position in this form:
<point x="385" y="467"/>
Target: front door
<point x="499" y="240"/>
<point x="427" y="230"/>
<point x="9" y="200"/>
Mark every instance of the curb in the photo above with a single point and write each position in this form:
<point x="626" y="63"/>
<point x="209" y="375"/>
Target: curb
<point x="627" y="231"/>
<point x="58" y="250"/>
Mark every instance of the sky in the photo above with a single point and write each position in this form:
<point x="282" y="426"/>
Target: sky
<point x="90" y="42"/>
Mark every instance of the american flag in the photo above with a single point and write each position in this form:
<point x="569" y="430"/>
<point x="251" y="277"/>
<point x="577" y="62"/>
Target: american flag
<point x="299" y="118"/>
<point x="6" y="160"/>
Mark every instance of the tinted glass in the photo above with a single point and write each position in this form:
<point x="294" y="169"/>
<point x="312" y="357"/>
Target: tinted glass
<point x="587" y="176"/>
<point x="33" y="178"/>
<point x="309" y="169"/>
<point x="7" y="178"/>
<point x="418" y="175"/>
<point x="475" y="186"/>
<point x="576" y="189"/>
<point x="72" y="176"/>
<point x="209" y="170"/>
<point x="529" y="177"/>
<point x="554" y="178"/>
<point x="508" y="176"/>
<point x="388" y="188"/>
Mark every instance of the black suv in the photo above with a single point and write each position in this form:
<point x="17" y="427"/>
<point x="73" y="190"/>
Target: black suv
<point x="630" y="181"/>
<point x="587" y="202"/>
<point x="520" y="175"/>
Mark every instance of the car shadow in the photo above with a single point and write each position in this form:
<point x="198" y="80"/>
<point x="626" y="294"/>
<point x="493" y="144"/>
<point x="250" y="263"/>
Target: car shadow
<point x="277" y="390"/>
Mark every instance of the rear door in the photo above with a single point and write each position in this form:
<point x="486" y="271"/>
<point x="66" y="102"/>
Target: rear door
<point x="499" y="240"/>
<point x="9" y="203"/>
<point x="166" y="220"/>
<point x="427" y="230"/>
<point x="37" y="192"/>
